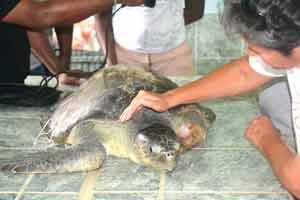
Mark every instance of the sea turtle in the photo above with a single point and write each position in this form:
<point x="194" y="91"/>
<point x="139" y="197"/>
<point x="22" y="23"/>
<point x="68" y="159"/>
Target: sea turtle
<point x="87" y="120"/>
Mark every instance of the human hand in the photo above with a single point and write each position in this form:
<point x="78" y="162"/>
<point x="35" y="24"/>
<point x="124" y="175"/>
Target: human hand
<point x="73" y="77"/>
<point x="130" y="2"/>
<point x="157" y="102"/>
<point x="260" y="131"/>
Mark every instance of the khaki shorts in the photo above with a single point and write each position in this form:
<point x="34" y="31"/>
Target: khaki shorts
<point x="176" y="62"/>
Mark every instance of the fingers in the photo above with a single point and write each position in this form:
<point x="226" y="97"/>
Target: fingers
<point x="136" y="105"/>
<point x="129" y="112"/>
<point x="143" y="99"/>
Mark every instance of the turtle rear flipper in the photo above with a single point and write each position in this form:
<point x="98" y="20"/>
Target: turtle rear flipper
<point x="80" y="157"/>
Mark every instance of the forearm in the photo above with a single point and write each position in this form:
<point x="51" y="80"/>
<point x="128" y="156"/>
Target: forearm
<point x="285" y="163"/>
<point x="105" y="36"/>
<point x="65" y="36"/>
<point x="232" y="79"/>
<point x="41" y="15"/>
<point x="41" y="48"/>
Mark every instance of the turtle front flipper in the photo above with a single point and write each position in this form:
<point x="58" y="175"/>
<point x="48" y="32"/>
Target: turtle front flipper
<point x="84" y="154"/>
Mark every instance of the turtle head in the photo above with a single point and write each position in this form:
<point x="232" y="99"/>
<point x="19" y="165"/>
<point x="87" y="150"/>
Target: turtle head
<point x="157" y="147"/>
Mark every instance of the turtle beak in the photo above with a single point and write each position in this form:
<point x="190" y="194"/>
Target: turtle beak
<point x="170" y="161"/>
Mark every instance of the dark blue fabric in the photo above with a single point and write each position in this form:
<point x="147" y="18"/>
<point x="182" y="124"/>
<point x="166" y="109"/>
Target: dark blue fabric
<point x="41" y="70"/>
<point x="6" y="6"/>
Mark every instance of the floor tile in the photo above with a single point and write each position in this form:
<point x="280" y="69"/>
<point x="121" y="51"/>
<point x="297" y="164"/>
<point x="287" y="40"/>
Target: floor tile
<point x="7" y="197"/>
<point x="21" y="112"/>
<point x="18" y="132"/>
<point x="139" y="196"/>
<point x="226" y="196"/>
<point x="232" y="119"/>
<point x="238" y="171"/>
<point x="11" y="182"/>
<point x="210" y="40"/>
<point x="68" y="182"/>
<point x="49" y="197"/>
<point x="120" y="174"/>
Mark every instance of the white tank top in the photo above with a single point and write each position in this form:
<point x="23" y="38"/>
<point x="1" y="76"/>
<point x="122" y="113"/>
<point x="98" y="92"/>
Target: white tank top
<point x="150" y="30"/>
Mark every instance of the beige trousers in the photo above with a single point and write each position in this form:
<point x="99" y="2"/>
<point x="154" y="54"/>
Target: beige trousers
<point x="176" y="62"/>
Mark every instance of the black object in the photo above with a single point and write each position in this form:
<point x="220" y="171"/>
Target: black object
<point x="150" y="3"/>
<point x="14" y="53"/>
<point x="28" y="96"/>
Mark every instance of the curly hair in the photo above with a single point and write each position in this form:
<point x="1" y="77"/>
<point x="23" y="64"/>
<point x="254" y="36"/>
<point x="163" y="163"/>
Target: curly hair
<point x="273" y="24"/>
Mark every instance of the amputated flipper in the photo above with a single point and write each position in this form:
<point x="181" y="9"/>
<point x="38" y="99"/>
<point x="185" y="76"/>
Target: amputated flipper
<point x="81" y="157"/>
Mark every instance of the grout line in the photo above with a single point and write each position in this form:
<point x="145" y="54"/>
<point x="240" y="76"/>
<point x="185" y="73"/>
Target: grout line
<point x="194" y="192"/>
<point x="243" y="48"/>
<point x="87" y="187"/>
<point x="195" y="52"/>
<point x="162" y="183"/>
<point x="24" y="186"/>
<point x="42" y="193"/>
<point x="127" y="192"/>
<point x="226" y="192"/>
<point x="22" y="117"/>
<point x="18" y="148"/>
<point x="153" y="192"/>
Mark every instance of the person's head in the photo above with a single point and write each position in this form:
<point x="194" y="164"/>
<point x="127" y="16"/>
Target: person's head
<point x="271" y="28"/>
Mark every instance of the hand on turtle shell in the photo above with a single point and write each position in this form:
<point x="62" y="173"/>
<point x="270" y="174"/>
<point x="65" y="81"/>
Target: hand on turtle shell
<point x="155" y="101"/>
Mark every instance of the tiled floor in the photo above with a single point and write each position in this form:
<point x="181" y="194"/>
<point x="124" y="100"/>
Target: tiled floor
<point x="226" y="167"/>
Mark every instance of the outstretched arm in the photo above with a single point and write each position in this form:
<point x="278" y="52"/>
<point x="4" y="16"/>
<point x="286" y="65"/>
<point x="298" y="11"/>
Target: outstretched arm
<point x="41" y="15"/>
<point x="231" y="79"/>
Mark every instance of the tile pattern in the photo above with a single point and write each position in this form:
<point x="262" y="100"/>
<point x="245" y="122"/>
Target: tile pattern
<point x="225" y="167"/>
<point x="211" y="46"/>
